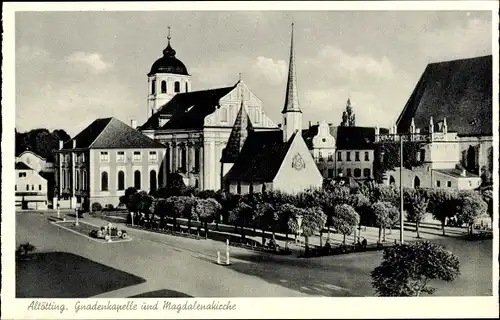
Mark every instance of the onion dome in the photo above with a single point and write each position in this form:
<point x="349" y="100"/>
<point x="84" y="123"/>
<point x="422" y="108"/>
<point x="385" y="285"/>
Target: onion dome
<point x="168" y="63"/>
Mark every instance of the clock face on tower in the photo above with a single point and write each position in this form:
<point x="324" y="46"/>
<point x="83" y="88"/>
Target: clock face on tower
<point x="298" y="163"/>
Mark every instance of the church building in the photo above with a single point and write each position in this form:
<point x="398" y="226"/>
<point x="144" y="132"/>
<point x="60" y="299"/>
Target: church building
<point x="217" y="138"/>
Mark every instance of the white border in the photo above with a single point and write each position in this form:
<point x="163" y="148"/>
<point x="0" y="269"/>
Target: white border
<point x="458" y="307"/>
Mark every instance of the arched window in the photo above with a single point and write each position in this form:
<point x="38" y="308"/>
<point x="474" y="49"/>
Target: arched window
<point x="177" y="86"/>
<point x="187" y="87"/>
<point x="416" y="182"/>
<point x="137" y="179"/>
<point x="77" y="180"/>
<point x="104" y="181"/>
<point x="196" y="183"/>
<point x="238" y="188"/>
<point x="152" y="180"/>
<point x="392" y="180"/>
<point x="251" y="188"/>
<point x="163" y="86"/>
<point x="121" y="180"/>
<point x="357" y="172"/>
<point x="223" y="114"/>
<point x="366" y="172"/>
<point x="263" y="187"/>
<point x="153" y="87"/>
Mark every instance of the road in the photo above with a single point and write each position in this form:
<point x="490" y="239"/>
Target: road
<point x="156" y="265"/>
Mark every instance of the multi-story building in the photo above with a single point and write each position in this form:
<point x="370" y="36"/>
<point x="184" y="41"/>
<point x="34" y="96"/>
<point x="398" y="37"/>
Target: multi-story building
<point x="44" y="168"/>
<point x="30" y="188"/>
<point x="104" y="159"/>
<point x="450" y="112"/>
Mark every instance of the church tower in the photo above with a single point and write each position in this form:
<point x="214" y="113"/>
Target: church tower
<point x="292" y="115"/>
<point x="168" y="76"/>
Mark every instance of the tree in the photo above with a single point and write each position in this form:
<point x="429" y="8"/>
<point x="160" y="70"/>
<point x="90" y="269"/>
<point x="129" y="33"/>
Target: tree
<point x="40" y="141"/>
<point x="267" y="218"/>
<point x="488" y="198"/>
<point x="313" y="220"/>
<point x="443" y="204"/>
<point x="384" y="213"/>
<point x="241" y="216"/>
<point x="176" y="206"/>
<point x="144" y="205"/>
<point x="348" y="116"/>
<point x="417" y="209"/>
<point x="206" y="210"/>
<point x="188" y="210"/>
<point x="129" y="200"/>
<point x="159" y="208"/>
<point x="470" y="208"/>
<point x="361" y="204"/>
<point x="406" y="269"/>
<point x="345" y="219"/>
<point x="287" y="214"/>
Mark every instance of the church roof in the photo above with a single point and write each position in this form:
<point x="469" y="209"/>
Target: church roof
<point x="22" y="166"/>
<point x="110" y="133"/>
<point x="187" y="110"/>
<point x="460" y="90"/>
<point x="238" y="136"/>
<point x="261" y="157"/>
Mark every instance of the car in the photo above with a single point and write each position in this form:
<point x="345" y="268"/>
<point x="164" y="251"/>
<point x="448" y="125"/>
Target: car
<point x="108" y="232"/>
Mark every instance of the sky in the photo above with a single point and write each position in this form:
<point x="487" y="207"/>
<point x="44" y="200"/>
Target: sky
<point x="75" y="67"/>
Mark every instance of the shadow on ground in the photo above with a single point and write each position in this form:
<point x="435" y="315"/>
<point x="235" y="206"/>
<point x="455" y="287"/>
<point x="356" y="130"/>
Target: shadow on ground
<point x="164" y="293"/>
<point x="66" y="275"/>
<point x="309" y="276"/>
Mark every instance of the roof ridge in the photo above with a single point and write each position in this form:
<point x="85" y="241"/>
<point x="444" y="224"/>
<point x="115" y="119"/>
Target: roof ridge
<point x="100" y="133"/>
<point x="461" y="59"/>
<point x="287" y="149"/>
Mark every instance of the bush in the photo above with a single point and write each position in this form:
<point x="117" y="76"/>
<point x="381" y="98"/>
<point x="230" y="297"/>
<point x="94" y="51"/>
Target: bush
<point x="24" y="249"/>
<point x="96" y="206"/>
<point x="108" y="207"/>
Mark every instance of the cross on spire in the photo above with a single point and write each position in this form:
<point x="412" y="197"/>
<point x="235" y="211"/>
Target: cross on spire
<point x="169" y="37"/>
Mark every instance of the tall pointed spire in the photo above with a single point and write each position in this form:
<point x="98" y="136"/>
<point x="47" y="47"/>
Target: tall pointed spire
<point x="291" y="98"/>
<point x="239" y="133"/>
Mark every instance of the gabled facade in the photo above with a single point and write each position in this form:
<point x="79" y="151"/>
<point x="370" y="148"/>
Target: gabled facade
<point x="104" y="159"/>
<point x="30" y="188"/>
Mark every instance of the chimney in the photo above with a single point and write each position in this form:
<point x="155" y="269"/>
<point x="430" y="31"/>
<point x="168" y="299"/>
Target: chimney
<point x="317" y="123"/>
<point x="61" y="143"/>
<point x="133" y="124"/>
<point x="310" y="124"/>
<point x="74" y="144"/>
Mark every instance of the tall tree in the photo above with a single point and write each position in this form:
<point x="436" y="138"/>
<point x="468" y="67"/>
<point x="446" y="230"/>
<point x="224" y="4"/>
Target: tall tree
<point x="444" y="204"/>
<point x="406" y="269"/>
